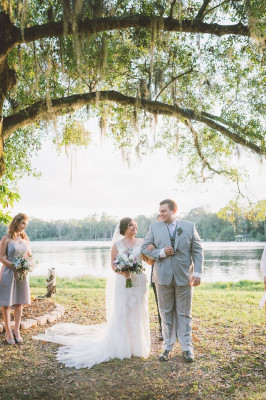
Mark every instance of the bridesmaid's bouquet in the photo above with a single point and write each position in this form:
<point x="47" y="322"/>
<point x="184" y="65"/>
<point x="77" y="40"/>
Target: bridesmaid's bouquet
<point x="24" y="264"/>
<point x="128" y="262"/>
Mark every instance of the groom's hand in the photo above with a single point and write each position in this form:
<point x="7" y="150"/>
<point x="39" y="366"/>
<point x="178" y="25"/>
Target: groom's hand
<point x="169" y="251"/>
<point x="195" y="281"/>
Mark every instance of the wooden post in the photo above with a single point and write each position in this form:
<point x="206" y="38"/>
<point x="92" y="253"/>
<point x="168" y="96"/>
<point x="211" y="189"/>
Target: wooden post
<point x="51" y="283"/>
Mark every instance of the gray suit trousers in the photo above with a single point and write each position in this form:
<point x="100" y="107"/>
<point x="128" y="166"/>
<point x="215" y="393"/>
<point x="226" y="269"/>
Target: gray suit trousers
<point x="175" y="304"/>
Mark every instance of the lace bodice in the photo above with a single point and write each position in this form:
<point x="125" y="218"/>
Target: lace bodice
<point x="136" y="250"/>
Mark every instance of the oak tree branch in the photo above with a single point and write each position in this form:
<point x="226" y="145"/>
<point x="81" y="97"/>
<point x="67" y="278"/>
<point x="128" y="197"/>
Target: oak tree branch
<point x="40" y="110"/>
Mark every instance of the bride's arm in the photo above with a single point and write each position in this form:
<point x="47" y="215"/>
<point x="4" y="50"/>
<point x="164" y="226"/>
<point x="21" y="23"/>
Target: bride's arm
<point x="149" y="239"/>
<point x="149" y="261"/>
<point x="114" y="253"/>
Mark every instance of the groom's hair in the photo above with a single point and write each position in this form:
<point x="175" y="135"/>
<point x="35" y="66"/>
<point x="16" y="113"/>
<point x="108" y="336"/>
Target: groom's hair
<point x="171" y="203"/>
<point x="123" y="225"/>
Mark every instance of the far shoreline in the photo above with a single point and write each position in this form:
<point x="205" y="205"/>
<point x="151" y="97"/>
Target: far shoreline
<point x="110" y="240"/>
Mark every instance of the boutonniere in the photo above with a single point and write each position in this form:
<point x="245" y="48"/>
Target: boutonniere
<point x="179" y="231"/>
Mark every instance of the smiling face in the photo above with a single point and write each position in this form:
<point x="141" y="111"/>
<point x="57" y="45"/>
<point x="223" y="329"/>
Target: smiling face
<point x="22" y="226"/>
<point x="167" y="215"/>
<point x="132" y="228"/>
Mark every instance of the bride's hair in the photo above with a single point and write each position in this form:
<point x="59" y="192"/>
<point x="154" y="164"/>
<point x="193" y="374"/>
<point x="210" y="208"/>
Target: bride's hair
<point x="123" y="225"/>
<point x="14" y="226"/>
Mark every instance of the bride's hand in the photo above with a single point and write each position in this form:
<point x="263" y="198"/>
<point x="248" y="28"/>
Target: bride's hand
<point x="151" y="247"/>
<point x="126" y="274"/>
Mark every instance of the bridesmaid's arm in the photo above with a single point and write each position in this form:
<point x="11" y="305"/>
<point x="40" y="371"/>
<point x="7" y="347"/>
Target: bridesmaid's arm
<point x="28" y="244"/>
<point x="3" y="247"/>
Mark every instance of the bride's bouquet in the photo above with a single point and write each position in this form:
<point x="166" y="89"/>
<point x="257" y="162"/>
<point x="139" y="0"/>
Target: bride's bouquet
<point x="24" y="264"/>
<point x="128" y="262"/>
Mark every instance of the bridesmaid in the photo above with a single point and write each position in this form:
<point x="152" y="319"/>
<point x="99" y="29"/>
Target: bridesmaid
<point x="13" y="291"/>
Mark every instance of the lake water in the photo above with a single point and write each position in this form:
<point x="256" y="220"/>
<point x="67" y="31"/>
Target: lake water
<point x="223" y="261"/>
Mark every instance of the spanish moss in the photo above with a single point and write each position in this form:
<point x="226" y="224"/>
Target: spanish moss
<point x="66" y="15"/>
<point x="177" y="139"/>
<point x="23" y="8"/>
<point x="36" y="64"/>
<point x="103" y="121"/>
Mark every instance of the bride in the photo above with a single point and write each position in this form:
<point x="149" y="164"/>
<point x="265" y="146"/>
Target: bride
<point x="126" y="332"/>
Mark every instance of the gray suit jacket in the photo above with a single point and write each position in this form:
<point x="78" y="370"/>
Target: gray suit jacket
<point x="188" y="255"/>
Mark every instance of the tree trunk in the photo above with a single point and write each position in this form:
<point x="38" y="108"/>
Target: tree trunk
<point x="7" y="76"/>
<point x="2" y="163"/>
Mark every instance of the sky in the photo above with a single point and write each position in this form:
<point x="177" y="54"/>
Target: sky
<point x="102" y="182"/>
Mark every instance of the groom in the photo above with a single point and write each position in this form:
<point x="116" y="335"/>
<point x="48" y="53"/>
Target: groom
<point x="178" y="256"/>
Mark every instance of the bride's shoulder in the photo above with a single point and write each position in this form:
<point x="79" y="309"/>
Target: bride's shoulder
<point x="140" y="241"/>
<point x="118" y="243"/>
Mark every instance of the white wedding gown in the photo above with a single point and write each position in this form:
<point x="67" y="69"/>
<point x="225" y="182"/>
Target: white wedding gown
<point x="125" y="334"/>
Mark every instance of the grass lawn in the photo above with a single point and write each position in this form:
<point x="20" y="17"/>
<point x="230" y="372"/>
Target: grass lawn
<point x="229" y="340"/>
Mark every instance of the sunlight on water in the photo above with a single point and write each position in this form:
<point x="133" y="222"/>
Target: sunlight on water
<point x="223" y="261"/>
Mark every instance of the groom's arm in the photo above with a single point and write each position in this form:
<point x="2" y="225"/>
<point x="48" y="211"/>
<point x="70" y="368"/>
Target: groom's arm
<point x="197" y="254"/>
<point x="149" y="239"/>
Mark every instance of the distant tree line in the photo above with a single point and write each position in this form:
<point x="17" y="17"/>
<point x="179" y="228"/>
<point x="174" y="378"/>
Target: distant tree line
<point x="211" y="226"/>
<point x="216" y="227"/>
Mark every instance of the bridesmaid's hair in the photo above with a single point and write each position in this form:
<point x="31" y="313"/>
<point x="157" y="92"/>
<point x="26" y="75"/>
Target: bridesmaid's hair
<point x="171" y="204"/>
<point x="14" y="225"/>
<point x="123" y="225"/>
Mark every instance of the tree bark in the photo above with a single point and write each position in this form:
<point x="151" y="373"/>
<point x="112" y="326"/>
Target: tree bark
<point x="95" y="25"/>
<point x="8" y="32"/>
<point x="2" y="163"/>
<point x="9" y="35"/>
<point x="202" y="9"/>
<point x="39" y="111"/>
<point x="12" y="36"/>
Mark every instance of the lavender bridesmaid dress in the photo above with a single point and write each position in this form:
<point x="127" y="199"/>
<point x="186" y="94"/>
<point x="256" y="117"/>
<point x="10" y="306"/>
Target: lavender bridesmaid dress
<point x="14" y="291"/>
